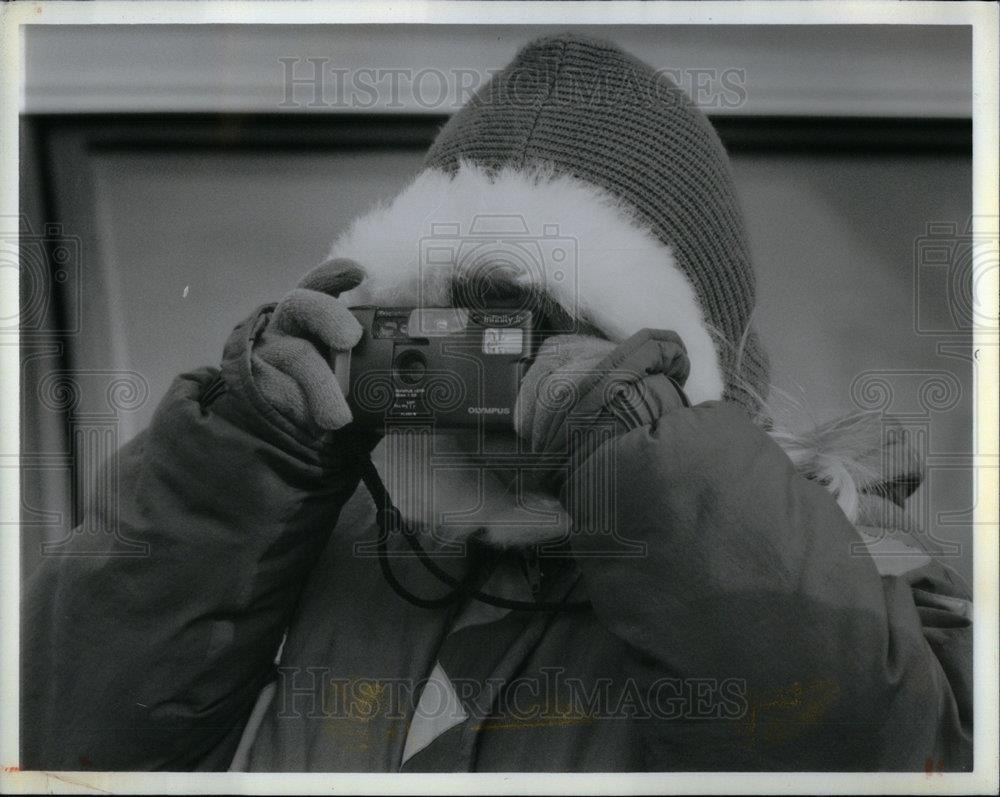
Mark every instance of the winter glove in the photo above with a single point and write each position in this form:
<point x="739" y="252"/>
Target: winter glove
<point x="292" y="358"/>
<point x="580" y="387"/>
<point x="551" y="385"/>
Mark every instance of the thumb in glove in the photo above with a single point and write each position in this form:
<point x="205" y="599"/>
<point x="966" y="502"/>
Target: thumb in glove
<point x="292" y="359"/>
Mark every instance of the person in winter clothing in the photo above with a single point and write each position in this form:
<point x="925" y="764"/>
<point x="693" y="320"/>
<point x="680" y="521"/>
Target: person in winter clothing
<point x="707" y="599"/>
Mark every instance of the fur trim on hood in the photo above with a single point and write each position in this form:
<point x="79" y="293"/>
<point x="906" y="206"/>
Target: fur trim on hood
<point x="572" y="240"/>
<point x="588" y="252"/>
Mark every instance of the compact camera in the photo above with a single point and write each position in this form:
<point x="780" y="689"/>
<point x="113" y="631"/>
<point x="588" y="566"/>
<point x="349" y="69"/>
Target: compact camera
<point x="454" y="367"/>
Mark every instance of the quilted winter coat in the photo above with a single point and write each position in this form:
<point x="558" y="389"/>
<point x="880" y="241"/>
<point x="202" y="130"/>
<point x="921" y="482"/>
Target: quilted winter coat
<point x="738" y="622"/>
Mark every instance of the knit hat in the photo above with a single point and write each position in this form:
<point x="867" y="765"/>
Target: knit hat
<point x="576" y="129"/>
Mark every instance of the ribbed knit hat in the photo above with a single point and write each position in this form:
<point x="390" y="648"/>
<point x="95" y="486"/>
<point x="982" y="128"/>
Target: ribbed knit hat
<point x="586" y="109"/>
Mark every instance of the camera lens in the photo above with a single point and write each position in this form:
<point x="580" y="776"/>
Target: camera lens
<point x="411" y="366"/>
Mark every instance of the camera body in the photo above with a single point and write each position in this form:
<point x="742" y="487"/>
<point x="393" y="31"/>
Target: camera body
<point x="453" y="367"/>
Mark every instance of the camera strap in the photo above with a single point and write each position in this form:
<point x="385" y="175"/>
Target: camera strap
<point x="389" y="520"/>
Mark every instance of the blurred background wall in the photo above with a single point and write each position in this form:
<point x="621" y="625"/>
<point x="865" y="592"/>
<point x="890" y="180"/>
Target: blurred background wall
<point x="197" y="172"/>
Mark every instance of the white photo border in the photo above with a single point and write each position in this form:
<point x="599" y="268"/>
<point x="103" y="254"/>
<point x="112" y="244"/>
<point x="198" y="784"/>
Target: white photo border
<point x="982" y="17"/>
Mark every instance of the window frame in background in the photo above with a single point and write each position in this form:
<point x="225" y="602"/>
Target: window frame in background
<point x="57" y="187"/>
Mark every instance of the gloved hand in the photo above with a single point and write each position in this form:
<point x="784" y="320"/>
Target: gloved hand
<point x="292" y="359"/>
<point x="551" y="387"/>
<point x="580" y="383"/>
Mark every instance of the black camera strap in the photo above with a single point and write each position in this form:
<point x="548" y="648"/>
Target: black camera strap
<point x="389" y="520"/>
